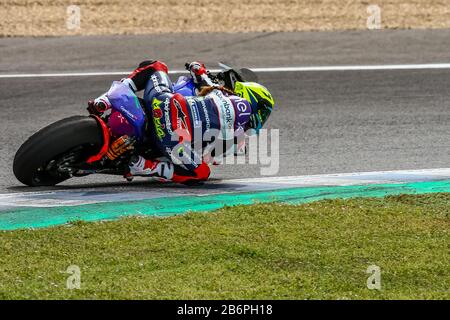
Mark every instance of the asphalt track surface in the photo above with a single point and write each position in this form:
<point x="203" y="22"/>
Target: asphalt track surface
<point x="329" y="121"/>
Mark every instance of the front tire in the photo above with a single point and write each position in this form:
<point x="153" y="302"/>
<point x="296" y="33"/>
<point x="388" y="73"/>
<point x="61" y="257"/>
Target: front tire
<point x="34" y="157"/>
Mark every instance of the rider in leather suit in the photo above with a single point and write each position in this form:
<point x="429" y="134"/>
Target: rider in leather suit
<point x="179" y="122"/>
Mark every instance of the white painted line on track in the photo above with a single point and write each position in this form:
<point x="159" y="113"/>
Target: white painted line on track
<point x="357" y="67"/>
<point x="57" y="198"/>
<point x="65" y="74"/>
<point x="342" y="179"/>
<point x="425" y="66"/>
<point x="77" y="74"/>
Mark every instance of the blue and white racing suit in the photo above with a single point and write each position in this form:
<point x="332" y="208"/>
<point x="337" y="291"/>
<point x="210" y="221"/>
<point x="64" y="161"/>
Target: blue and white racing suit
<point x="187" y="128"/>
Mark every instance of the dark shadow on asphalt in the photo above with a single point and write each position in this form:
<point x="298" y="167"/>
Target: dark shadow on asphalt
<point x="132" y="186"/>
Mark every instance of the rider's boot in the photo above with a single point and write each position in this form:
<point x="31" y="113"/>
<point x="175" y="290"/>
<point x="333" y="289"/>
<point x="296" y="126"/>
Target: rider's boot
<point x="150" y="168"/>
<point x="166" y="171"/>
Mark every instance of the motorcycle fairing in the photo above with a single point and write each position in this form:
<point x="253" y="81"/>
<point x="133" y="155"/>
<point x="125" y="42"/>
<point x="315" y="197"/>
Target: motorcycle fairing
<point x="125" y="101"/>
<point x="106" y="139"/>
<point x="185" y="86"/>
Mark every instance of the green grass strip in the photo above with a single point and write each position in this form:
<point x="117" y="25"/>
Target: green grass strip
<point x="44" y="217"/>
<point x="318" y="250"/>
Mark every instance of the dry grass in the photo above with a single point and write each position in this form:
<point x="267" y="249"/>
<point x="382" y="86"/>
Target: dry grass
<point x="48" y="17"/>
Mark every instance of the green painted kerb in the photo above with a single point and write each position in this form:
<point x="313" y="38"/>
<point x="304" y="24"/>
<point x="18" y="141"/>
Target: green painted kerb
<point x="45" y="217"/>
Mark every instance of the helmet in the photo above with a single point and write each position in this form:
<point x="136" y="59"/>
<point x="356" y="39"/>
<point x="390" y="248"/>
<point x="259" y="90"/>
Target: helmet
<point x="260" y="99"/>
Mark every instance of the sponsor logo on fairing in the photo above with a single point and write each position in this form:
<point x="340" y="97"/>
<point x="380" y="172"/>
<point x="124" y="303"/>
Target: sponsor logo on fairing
<point x="128" y="113"/>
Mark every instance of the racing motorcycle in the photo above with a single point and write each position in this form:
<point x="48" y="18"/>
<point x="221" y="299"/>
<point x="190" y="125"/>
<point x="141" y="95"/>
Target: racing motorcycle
<point x="77" y="146"/>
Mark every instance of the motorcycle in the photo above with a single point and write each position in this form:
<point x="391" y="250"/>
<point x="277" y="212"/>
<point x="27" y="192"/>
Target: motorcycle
<point x="77" y="146"/>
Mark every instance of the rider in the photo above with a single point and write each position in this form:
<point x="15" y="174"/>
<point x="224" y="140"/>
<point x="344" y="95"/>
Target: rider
<point x="179" y="120"/>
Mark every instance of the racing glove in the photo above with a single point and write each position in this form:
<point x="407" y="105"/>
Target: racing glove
<point x="199" y="73"/>
<point x="99" y="105"/>
<point x="120" y="146"/>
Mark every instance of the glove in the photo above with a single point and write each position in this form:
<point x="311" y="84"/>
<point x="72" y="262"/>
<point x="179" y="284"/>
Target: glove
<point x="120" y="146"/>
<point x="196" y="68"/>
<point x="198" y="72"/>
<point x="99" y="105"/>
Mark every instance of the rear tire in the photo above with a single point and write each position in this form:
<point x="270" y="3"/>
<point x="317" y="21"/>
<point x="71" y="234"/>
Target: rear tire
<point x="52" y="142"/>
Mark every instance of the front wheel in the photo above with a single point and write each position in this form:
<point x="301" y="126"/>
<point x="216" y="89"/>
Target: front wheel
<point x="43" y="159"/>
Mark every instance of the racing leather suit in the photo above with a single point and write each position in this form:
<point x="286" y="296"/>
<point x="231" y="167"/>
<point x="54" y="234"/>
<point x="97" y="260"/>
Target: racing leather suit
<point x="183" y="128"/>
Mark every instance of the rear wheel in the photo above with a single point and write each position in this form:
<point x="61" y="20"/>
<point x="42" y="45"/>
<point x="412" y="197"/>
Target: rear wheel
<point x="44" y="159"/>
